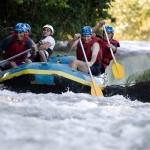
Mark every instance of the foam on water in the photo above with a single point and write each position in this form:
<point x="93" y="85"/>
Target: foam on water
<point x="72" y="121"/>
<point x="134" y="56"/>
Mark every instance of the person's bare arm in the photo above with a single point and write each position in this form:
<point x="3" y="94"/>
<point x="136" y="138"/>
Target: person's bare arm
<point x="74" y="41"/>
<point x="112" y="47"/>
<point x="94" y="29"/>
<point x="34" y="49"/>
<point x="44" y="46"/>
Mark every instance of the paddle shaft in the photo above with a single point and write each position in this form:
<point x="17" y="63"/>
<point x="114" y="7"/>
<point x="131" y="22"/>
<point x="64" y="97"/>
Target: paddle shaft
<point x="95" y="89"/>
<point x="3" y="61"/>
<point x="109" y="42"/>
<point x="85" y="57"/>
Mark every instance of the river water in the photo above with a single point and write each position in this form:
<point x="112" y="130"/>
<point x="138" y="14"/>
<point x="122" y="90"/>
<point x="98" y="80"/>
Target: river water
<point x="70" y="121"/>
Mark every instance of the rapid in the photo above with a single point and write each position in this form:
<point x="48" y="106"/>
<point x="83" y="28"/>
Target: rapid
<point x="70" y="121"/>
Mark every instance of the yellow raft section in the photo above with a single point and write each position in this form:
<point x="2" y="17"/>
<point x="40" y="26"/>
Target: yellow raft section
<point x="6" y="76"/>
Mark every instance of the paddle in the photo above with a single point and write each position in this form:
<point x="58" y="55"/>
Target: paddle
<point x="95" y="89"/>
<point x="3" y="61"/>
<point x="117" y="69"/>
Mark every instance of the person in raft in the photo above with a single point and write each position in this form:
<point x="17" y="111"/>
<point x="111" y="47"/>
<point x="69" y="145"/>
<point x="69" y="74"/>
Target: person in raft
<point x="28" y="28"/>
<point x="45" y="46"/>
<point x="92" y="49"/>
<point x="107" y="57"/>
<point x="15" y="44"/>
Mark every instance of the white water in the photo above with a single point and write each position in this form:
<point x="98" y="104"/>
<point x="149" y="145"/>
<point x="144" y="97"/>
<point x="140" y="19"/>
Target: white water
<point x="134" y="56"/>
<point x="72" y="121"/>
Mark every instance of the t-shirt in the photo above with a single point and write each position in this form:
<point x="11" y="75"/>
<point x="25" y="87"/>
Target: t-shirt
<point x="9" y="40"/>
<point x="49" y="39"/>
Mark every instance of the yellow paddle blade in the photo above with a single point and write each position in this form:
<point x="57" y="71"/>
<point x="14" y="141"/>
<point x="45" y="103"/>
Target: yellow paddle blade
<point x="95" y="89"/>
<point x="118" y="70"/>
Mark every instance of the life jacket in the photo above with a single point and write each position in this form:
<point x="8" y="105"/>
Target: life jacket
<point x="107" y="57"/>
<point x="88" y="51"/>
<point x="11" y="32"/>
<point x="16" y="48"/>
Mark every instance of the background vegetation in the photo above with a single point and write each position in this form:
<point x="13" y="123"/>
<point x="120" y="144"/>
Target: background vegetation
<point x="130" y="18"/>
<point x="66" y="16"/>
<point x="138" y="77"/>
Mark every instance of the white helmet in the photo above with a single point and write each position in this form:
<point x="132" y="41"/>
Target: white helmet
<point x="50" y="27"/>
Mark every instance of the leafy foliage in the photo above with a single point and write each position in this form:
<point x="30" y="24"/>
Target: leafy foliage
<point x="132" y="19"/>
<point x="66" y="16"/>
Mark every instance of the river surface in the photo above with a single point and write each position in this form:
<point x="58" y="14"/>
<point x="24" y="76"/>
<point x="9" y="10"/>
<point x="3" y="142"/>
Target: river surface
<point x="70" y="121"/>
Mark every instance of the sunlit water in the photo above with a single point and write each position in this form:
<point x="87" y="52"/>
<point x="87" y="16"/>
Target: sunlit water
<point x="134" y="56"/>
<point x="72" y="121"/>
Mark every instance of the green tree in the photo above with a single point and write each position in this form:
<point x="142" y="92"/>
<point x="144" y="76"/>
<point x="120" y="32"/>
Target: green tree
<point x="132" y="19"/>
<point x="66" y="16"/>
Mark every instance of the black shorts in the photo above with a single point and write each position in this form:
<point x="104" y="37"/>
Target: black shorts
<point x="97" y="69"/>
<point x="37" y="58"/>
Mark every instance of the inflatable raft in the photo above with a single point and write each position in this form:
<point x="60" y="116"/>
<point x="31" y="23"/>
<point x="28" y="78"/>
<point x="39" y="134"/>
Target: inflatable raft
<point x="54" y="76"/>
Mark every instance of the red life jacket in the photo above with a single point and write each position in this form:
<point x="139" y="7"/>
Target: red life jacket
<point x="107" y="57"/>
<point x="16" y="48"/>
<point x="12" y="32"/>
<point x="88" y="51"/>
